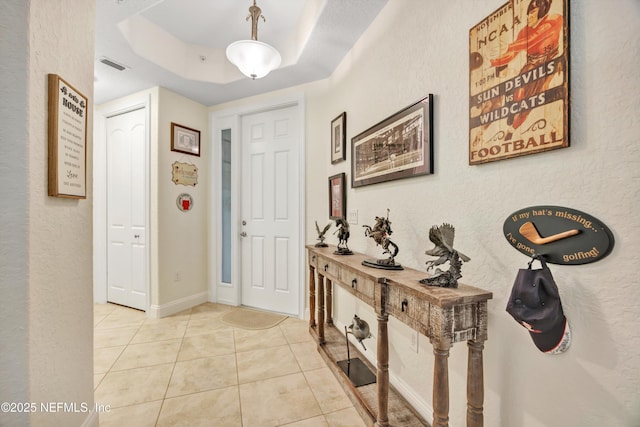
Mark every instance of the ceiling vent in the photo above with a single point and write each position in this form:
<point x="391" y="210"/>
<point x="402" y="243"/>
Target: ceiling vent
<point x="113" y="64"/>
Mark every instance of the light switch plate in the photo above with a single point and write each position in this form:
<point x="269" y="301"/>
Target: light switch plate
<point x="353" y="216"/>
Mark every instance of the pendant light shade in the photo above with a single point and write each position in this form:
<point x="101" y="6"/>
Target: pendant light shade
<point x="253" y="58"/>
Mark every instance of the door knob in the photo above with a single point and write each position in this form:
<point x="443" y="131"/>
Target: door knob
<point x="243" y="234"/>
<point x="136" y="236"/>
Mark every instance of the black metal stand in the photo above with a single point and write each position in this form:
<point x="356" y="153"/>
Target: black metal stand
<point x="355" y="369"/>
<point x="382" y="264"/>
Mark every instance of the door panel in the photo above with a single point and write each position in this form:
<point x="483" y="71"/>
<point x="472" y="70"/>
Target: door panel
<point x="126" y="210"/>
<point x="270" y="200"/>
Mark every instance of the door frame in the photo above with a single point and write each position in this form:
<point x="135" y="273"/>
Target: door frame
<point x="231" y="293"/>
<point x="100" y="179"/>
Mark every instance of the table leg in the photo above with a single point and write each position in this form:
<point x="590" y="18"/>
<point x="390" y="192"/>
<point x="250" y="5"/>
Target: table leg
<point x="320" y="309"/>
<point x="312" y="296"/>
<point x="475" y="384"/>
<point x="441" y="384"/>
<point x="329" y="307"/>
<point x="382" y="377"/>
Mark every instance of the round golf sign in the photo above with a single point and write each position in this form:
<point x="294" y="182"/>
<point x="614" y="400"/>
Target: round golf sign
<point x="562" y="235"/>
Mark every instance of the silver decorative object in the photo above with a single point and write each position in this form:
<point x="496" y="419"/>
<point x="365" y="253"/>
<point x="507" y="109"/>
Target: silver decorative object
<point x="355" y="369"/>
<point x="442" y="236"/>
<point x="359" y="329"/>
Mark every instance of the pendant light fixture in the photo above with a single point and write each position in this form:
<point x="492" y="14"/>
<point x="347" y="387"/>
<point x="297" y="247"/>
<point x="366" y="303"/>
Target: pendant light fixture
<point x="253" y="58"/>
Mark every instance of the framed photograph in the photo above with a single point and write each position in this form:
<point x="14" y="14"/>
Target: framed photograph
<point x="519" y="81"/>
<point x="337" y="196"/>
<point x="338" y="138"/>
<point x="185" y="140"/>
<point x="400" y="146"/>
<point x="67" y="140"/>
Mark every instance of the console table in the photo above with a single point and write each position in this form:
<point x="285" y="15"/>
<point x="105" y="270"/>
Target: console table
<point x="444" y="315"/>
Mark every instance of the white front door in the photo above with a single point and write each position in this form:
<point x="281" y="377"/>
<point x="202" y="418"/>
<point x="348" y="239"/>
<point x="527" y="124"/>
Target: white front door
<point x="270" y="217"/>
<point x="126" y="216"/>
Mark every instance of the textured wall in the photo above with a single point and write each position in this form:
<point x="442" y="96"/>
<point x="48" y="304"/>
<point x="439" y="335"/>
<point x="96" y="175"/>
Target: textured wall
<point x="13" y="210"/>
<point x="415" y="48"/>
<point x="46" y="307"/>
<point x="59" y="305"/>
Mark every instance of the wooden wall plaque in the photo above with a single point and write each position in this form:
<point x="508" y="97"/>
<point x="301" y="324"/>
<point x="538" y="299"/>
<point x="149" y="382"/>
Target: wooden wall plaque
<point x="67" y="135"/>
<point x="184" y="173"/>
<point x="563" y="235"/>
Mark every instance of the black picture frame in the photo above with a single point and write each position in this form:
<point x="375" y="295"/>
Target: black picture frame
<point x="337" y="196"/>
<point x="400" y="146"/>
<point x="185" y="140"/>
<point x="338" y="138"/>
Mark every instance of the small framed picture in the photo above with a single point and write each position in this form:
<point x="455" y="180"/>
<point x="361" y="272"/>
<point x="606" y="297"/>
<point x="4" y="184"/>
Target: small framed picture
<point x="338" y="138"/>
<point x="337" y="196"/>
<point x="185" y="140"/>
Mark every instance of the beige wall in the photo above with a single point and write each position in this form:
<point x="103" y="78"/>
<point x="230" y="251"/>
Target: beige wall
<point x="51" y="297"/>
<point x="183" y="236"/>
<point x="415" y="48"/>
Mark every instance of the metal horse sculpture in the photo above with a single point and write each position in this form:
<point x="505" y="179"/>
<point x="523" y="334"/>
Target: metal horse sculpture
<point x="380" y="234"/>
<point x="343" y="237"/>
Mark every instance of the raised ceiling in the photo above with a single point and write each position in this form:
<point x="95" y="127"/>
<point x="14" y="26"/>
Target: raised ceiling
<point x="180" y="44"/>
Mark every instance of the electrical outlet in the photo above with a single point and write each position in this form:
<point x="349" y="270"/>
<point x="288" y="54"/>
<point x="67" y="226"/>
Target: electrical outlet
<point x="353" y="216"/>
<point x="177" y="277"/>
<point x="414" y="341"/>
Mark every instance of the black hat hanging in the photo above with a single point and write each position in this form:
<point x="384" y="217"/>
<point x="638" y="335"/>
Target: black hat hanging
<point x="535" y="304"/>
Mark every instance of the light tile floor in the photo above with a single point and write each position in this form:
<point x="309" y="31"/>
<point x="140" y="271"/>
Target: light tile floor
<point x="191" y="369"/>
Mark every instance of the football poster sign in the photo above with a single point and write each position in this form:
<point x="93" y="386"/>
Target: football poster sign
<point x="519" y="81"/>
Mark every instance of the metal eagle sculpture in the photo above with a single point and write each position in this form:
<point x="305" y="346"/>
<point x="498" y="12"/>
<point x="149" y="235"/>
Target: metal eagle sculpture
<point x="321" y="235"/>
<point x="442" y="237"/>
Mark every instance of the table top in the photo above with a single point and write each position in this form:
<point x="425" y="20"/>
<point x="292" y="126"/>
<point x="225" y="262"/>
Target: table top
<point x="408" y="278"/>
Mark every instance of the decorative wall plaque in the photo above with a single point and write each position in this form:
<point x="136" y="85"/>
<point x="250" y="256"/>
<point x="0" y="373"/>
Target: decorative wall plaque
<point x="563" y="235"/>
<point x="67" y="140"/>
<point x="184" y="173"/>
<point x="519" y="81"/>
<point x="184" y="202"/>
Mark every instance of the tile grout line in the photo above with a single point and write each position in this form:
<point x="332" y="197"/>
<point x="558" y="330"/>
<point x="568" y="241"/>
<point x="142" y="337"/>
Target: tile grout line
<point x="235" y="354"/>
<point x="164" y="398"/>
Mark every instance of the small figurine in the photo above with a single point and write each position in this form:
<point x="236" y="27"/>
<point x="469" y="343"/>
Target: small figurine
<point x="343" y="236"/>
<point x="380" y="234"/>
<point x="359" y="329"/>
<point x="321" y="237"/>
<point x="442" y="237"/>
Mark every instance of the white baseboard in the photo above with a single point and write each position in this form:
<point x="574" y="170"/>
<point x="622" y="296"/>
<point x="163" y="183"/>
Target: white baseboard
<point x="173" y="307"/>
<point x="414" y="399"/>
